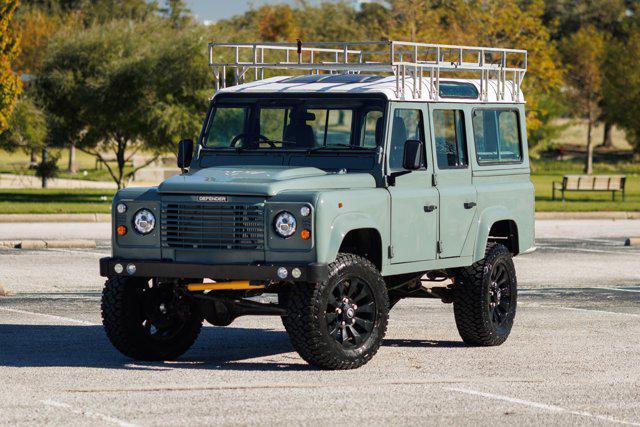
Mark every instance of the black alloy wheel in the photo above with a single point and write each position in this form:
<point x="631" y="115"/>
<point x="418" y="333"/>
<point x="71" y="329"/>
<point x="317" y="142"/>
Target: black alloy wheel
<point x="351" y="312"/>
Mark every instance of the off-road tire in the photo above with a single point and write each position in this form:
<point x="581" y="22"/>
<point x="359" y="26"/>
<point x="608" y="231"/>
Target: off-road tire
<point x="472" y="299"/>
<point x="122" y="320"/>
<point x="306" y="324"/>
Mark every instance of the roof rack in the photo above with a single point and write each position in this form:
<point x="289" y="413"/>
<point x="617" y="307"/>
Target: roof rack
<point x="419" y="63"/>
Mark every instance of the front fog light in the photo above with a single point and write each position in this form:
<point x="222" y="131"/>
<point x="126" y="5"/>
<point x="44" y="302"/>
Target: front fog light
<point x="282" y="273"/>
<point x="285" y="224"/>
<point x="144" y="221"/>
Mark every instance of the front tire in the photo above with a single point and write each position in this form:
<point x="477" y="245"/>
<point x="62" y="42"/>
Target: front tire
<point x="148" y="322"/>
<point x="485" y="298"/>
<point x="339" y="323"/>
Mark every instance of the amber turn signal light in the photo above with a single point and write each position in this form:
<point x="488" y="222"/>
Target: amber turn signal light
<point x="305" y="234"/>
<point x="121" y="230"/>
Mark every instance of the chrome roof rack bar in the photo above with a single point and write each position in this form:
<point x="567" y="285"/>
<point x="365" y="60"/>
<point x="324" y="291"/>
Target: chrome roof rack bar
<point x="405" y="60"/>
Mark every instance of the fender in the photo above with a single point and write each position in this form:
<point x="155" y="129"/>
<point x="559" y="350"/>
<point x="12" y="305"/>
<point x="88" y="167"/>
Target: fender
<point x="487" y="218"/>
<point x="340" y="227"/>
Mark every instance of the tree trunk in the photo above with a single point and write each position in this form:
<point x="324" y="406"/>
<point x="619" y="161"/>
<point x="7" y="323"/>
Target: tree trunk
<point x="607" y="140"/>
<point x="120" y="159"/>
<point x="33" y="159"/>
<point x="72" y="158"/>
<point x="588" y="167"/>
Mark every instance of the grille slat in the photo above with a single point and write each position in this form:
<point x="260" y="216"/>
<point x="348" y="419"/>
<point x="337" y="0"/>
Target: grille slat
<point x="206" y="226"/>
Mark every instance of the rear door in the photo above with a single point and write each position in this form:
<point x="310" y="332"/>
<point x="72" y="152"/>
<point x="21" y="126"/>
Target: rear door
<point x="452" y="176"/>
<point x="414" y="201"/>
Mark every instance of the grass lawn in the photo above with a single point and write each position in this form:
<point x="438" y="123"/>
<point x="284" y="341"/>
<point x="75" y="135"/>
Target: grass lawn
<point x="49" y="201"/>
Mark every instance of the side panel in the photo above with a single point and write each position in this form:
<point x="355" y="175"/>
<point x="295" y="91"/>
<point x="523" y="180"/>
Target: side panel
<point x="505" y="192"/>
<point x="338" y="212"/>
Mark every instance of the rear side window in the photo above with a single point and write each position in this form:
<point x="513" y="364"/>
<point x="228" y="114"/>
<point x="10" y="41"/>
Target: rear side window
<point x="497" y="136"/>
<point x="450" y="137"/>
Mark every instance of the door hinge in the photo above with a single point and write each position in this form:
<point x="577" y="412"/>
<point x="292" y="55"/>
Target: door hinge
<point x="434" y="180"/>
<point x="390" y="251"/>
<point x="439" y="247"/>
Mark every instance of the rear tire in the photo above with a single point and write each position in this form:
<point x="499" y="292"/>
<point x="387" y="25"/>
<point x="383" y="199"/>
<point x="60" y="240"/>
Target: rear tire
<point x="339" y="323"/>
<point x="485" y="298"/>
<point x="148" y="322"/>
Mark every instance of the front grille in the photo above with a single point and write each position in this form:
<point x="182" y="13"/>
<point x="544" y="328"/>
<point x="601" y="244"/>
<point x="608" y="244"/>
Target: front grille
<point x="212" y="226"/>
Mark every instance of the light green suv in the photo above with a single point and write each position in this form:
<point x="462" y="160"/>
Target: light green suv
<point x="335" y="194"/>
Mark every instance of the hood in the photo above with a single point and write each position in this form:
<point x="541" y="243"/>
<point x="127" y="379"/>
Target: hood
<point x="262" y="180"/>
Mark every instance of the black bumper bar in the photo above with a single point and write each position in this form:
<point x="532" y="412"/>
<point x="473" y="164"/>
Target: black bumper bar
<point x="109" y="267"/>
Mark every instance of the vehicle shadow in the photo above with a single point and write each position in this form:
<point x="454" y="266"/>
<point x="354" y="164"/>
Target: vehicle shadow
<point x="87" y="346"/>
<point x="422" y="343"/>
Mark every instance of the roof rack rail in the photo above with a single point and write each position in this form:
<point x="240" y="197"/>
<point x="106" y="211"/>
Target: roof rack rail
<point x="419" y="62"/>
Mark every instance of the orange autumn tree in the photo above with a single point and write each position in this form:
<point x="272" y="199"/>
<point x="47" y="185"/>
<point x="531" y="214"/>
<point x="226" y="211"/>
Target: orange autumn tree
<point x="10" y="84"/>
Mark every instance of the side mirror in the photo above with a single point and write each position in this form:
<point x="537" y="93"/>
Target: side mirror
<point x="185" y="152"/>
<point x="412" y="159"/>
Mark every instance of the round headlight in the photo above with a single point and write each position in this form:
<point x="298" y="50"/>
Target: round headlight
<point x="121" y="208"/>
<point x="285" y="224"/>
<point x="305" y="211"/>
<point x="144" y="221"/>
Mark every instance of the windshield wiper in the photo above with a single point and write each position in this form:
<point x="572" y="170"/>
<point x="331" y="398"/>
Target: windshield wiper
<point x="337" y="148"/>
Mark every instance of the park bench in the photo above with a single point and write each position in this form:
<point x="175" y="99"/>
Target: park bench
<point x="610" y="183"/>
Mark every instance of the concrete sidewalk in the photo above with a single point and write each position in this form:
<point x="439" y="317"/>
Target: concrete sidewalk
<point x="29" y="181"/>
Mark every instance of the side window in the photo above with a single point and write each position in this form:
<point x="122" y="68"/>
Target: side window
<point x="371" y="131"/>
<point x="406" y="124"/>
<point x="450" y="138"/>
<point x="497" y="136"/>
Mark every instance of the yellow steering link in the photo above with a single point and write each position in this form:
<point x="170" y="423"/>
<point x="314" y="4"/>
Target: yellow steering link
<point x="223" y="286"/>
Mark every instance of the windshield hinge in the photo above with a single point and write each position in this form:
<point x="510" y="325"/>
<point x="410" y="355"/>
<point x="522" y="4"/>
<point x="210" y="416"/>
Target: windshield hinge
<point x="390" y="251"/>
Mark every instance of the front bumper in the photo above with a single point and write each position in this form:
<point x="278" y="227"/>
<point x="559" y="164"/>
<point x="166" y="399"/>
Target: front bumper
<point x="179" y="270"/>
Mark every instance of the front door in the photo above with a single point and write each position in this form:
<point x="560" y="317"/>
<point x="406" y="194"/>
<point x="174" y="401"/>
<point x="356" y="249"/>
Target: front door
<point x="414" y="201"/>
<point x="457" y="193"/>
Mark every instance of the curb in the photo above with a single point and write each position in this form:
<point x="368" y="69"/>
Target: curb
<point x="94" y="217"/>
<point x="588" y="215"/>
<point x="48" y="244"/>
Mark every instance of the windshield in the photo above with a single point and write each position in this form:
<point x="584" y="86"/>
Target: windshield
<point x="295" y="124"/>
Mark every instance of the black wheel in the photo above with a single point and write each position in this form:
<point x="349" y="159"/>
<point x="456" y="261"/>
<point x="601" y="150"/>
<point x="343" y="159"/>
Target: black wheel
<point x="339" y="323"/>
<point x="485" y="298"/>
<point x="148" y="321"/>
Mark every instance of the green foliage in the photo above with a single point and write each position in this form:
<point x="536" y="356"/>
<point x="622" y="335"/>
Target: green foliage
<point x="55" y="200"/>
<point x="122" y="87"/>
<point x="27" y="128"/>
<point x="48" y="168"/>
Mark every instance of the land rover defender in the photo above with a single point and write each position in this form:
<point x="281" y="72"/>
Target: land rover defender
<point x="372" y="177"/>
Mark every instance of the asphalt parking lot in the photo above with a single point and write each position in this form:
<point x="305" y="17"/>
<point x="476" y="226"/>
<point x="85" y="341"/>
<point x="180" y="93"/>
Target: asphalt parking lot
<point x="573" y="356"/>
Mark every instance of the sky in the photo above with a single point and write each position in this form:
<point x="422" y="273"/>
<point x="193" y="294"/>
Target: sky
<point x="213" y="10"/>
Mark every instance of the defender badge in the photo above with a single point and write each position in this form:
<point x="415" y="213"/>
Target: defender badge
<point x="216" y="199"/>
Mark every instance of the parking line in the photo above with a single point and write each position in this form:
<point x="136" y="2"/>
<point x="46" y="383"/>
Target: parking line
<point x="542" y="406"/>
<point x="584" y="310"/>
<point x="600" y="251"/>
<point x="51" y="316"/>
<point x="88" y="414"/>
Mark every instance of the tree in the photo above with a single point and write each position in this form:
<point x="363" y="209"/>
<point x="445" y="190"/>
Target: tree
<point x="125" y="88"/>
<point x="622" y="85"/>
<point x="583" y="53"/>
<point x="10" y="84"/>
<point x="27" y="129"/>
<point x="277" y="23"/>
<point x="177" y="13"/>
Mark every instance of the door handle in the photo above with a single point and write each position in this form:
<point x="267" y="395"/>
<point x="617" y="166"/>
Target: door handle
<point x="430" y="208"/>
<point x="469" y="205"/>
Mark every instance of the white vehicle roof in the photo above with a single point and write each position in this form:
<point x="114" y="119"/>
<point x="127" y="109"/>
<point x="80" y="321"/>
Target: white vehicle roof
<point x="399" y="70"/>
<point x="370" y="84"/>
